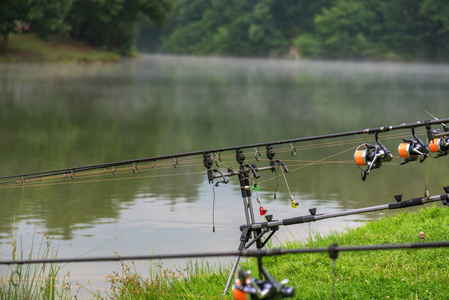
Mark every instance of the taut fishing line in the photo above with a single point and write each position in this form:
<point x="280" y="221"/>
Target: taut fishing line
<point x="213" y="208"/>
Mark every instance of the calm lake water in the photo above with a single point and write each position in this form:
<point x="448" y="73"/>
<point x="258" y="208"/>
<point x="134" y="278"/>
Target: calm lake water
<point x="57" y="116"/>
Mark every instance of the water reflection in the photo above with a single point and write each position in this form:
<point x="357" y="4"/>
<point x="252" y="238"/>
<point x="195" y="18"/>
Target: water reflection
<point x="55" y="116"/>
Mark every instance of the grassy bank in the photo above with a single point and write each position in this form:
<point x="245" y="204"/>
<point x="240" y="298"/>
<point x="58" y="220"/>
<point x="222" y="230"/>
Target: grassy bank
<point x="391" y="274"/>
<point x="28" y="48"/>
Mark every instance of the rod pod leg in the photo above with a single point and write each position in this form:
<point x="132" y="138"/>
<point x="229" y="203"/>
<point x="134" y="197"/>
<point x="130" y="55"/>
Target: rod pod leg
<point x="244" y="237"/>
<point x="231" y="275"/>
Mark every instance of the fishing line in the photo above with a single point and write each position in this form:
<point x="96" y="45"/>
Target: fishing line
<point x="320" y="161"/>
<point x="293" y="203"/>
<point x="104" y="244"/>
<point x="277" y="185"/>
<point x="303" y="163"/>
<point x="56" y="181"/>
<point x="270" y="144"/>
<point x="165" y="165"/>
<point x="48" y="180"/>
<point x="213" y="208"/>
<point x="309" y="164"/>
<point x="426" y="191"/>
<point x="100" y="173"/>
<point x="438" y="173"/>
<point x="332" y="144"/>
<point x="71" y="209"/>
<point x="105" y="180"/>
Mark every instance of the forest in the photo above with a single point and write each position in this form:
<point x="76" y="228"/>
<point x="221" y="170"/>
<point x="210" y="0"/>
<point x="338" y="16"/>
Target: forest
<point x="110" y="24"/>
<point x="326" y="29"/>
<point x="329" y="29"/>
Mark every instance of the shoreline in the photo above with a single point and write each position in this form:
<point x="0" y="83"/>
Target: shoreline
<point x="28" y="48"/>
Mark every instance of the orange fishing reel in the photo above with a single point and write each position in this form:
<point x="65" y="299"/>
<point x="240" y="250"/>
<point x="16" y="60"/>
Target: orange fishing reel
<point x="413" y="149"/>
<point x="438" y="142"/>
<point x="246" y="287"/>
<point x="372" y="156"/>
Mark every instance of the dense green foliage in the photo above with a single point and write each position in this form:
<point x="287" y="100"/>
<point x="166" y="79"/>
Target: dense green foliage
<point x="237" y="27"/>
<point x="105" y="23"/>
<point x="113" y="23"/>
<point x="407" y="29"/>
<point x="44" y="16"/>
<point x="342" y="29"/>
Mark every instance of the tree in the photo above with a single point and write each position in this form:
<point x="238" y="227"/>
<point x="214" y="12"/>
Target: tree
<point x="437" y="14"/>
<point x="43" y="16"/>
<point x="236" y="27"/>
<point x="10" y="12"/>
<point x="341" y="31"/>
<point x="48" y="16"/>
<point x="113" y="23"/>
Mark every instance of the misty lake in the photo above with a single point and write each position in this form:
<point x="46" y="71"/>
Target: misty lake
<point x="56" y="116"/>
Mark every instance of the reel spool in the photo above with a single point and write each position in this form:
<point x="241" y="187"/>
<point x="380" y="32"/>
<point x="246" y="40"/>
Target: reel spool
<point x="372" y="156"/>
<point x="439" y="146"/>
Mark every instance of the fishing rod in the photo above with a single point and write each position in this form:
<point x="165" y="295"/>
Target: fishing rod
<point x="317" y="217"/>
<point x="70" y="172"/>
<point x="253" y="233"/>
<point x="245" y="286"/>
<point x="242" y="253"/>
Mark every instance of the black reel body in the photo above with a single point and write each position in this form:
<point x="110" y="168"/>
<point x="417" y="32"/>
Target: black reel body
<point x="247" y="287"/>
<point x="412" y="150"/>
<point x="372" y="156"/>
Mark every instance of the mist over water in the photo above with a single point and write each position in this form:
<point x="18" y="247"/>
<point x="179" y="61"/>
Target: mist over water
<point x="58" y="116"/>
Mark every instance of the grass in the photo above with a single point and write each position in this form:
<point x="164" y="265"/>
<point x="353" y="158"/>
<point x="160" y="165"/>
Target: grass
<point x="28" y="47"/>
<point x="393" y="274"/>
<point x="390" y="274"/>
<point x="34" y="281"/>
<point x="199" y="280"/>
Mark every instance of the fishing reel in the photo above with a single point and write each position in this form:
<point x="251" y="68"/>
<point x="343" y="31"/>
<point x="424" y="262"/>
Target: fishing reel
<point x="247" y="287"/>
<point x="439" y="142"/>
<point x="373" y="157"/>
<point x="413" y="149"/>
<point x="439" y="146"/>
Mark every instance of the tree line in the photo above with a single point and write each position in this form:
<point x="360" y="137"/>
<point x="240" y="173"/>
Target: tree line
<point x="105" y="23"/>
<point x="343" y="29"/>
<point x="331" y="29"/>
